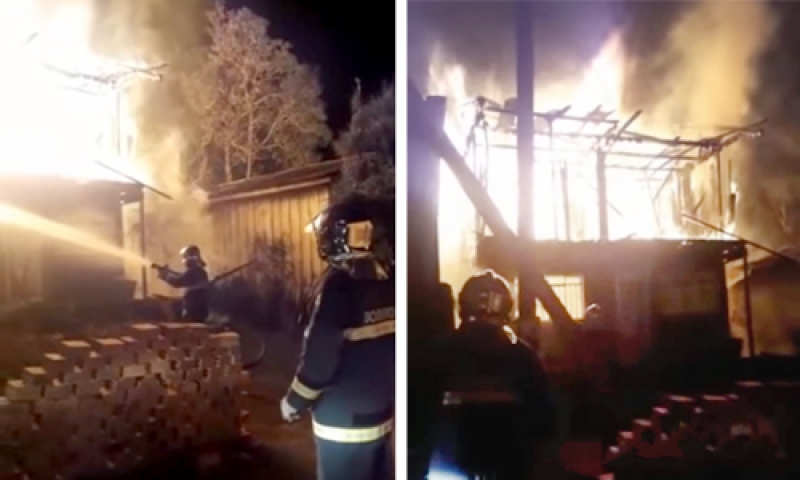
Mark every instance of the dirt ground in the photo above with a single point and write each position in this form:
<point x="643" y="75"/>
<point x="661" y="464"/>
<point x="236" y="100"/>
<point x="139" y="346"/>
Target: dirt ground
<point x="287" y="450"/>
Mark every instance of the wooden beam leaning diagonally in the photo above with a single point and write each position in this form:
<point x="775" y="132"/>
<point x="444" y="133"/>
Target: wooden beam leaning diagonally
<point x="440" y="143"/>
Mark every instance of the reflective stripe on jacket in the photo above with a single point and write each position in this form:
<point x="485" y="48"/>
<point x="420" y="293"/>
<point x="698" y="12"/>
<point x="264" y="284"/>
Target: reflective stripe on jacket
<point x="346" y="374"/>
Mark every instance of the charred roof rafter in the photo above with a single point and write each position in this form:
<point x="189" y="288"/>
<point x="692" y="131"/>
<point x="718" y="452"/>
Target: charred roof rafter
<point x="676" y="149"/>
<point x="658" y="164"/>
<point x="85" y="82"/>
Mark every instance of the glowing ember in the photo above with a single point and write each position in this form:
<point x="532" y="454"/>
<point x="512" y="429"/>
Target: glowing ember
<point x="54" y="119"/>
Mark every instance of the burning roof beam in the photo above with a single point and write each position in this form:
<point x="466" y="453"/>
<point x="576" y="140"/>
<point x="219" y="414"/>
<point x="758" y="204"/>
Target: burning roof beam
<point x="657" y="167"/>
<point x="622" y="154"/>
<point x="134" y="180"/>
<point x="596" y="116"/>
<point x="613" y="137"/>
<point x="111" y="80"/>
<point x="676" y="150"/>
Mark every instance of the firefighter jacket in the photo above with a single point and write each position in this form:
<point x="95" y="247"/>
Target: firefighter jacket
<point x="195" y="296"/>
<point x="346" y="373"/>
<point x="482" y="365"/>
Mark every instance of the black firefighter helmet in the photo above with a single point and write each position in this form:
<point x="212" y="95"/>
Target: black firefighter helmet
<point x="190" y="255"/>
<point x="485" y="296"/>
<point x="356" y="225"/>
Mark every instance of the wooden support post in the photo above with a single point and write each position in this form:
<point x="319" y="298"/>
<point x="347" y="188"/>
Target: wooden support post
<point x="602" y="196"/>
<point x="748" y="308"/>
<point x="518" y="250"/>
<point x="423" y="228"/>
<point x="720" y="204"/>
<point x="423" y="323"/>
<point x="143" y="244"/>
<point x="525" y="144"/>
<point x="565" y="196"/>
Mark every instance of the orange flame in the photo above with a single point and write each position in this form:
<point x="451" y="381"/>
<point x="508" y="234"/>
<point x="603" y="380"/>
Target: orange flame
<point x="52" y="122"/>
<point x="632" y="211"/>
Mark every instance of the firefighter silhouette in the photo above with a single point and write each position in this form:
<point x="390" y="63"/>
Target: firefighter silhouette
<point x="495" y="401"/>
<point x="193" y="280"/>
<point x="347" y="370"/>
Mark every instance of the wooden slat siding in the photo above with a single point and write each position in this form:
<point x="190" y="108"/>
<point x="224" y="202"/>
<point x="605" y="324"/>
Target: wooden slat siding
<point x="304" y="215"/>
<point x="293" y="202"/>
<point x="279" y="217"/>
<point x="231" y="235"/>
<point x="276" y="208"/>
<point x="234" y="234"/>
<point x="287" y="231"/>
<point x="252" y="225"/>
<point x="21" y="261"/>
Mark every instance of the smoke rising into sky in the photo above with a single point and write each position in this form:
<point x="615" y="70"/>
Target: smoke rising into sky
<point x="155" y="32"/>
<point x="170" y="33"/>
<point x="702" y="78"/>
<point x="708" y="64"/>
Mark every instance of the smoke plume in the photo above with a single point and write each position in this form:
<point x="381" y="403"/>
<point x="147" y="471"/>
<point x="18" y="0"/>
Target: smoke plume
<point x="153" y="33"/>
<point x="708" y="66"/>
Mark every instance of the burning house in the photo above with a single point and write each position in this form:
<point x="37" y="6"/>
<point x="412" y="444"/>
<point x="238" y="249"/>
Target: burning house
<point x="65" y="109"/>
<point x="635" y="222"/>
<point x="613" y="212"/>
<point x="576" y="208"/>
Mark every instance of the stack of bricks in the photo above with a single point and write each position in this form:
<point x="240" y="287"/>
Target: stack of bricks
<point x="718" y="427"/>
<point x="109" y="405"/>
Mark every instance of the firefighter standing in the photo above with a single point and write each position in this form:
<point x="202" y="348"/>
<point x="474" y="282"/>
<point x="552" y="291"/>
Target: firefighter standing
<point x="346" y="374"/>
<point x="193" y="280"/>
<point x="495" y="402"/>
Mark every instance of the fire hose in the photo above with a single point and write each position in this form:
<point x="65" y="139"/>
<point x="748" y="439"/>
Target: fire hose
<point x="221" y="276"/>
<point x="262" y="348"/>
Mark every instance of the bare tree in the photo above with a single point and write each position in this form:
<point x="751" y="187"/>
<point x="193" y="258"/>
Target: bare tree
<point x="260" y="108"/>
<point x="368" y="145"/>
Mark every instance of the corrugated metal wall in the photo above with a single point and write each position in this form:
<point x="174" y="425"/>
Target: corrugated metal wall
<point x="278" y="216"/>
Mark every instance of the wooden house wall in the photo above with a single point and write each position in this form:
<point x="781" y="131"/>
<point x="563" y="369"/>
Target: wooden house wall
<point x="35" y="266"/>
<point x="273" y="217"/>
<point x="20" y="266"/>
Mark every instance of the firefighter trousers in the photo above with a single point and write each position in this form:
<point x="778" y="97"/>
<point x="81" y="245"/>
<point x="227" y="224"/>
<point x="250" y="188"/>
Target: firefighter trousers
<point x="355" y="461"/>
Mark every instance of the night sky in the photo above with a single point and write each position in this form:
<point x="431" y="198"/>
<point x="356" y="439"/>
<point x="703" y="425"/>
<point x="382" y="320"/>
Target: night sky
<point x="345" y="40"/>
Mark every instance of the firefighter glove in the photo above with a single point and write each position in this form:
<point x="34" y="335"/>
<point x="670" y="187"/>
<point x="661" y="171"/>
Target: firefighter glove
<point x="288" y="412"/>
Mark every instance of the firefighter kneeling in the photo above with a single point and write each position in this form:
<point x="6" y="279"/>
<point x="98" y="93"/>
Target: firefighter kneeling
<point x="347" y="370"/>
<point x="495" y="402"/>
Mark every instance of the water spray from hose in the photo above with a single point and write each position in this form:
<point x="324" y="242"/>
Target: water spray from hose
<point x="16" y="217"/>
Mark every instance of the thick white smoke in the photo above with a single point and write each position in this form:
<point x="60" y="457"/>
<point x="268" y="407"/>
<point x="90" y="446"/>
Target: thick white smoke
<point x="173" y="34"/>
<point x="709" y="61"/>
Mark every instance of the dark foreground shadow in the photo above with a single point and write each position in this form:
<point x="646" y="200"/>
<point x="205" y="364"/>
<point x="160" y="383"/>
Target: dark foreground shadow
<point x="244" y="460"/>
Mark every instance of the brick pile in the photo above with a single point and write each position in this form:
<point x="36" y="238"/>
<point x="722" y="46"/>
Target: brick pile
<point x="108" y="405"/>
<point x="751" y="424"/>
